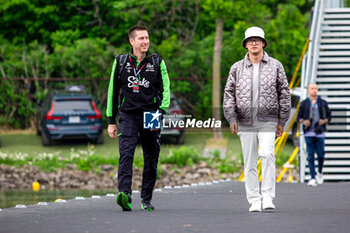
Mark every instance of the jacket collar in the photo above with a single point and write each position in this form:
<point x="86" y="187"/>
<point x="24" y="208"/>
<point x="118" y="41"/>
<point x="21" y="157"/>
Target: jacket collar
<point x="132" y="53"/>
<point x="265" y="59"/>
<point x="316" y="102"/>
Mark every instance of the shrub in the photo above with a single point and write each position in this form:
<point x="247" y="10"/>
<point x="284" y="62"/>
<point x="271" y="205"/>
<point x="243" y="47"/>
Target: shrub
<point x="185" y="155"/>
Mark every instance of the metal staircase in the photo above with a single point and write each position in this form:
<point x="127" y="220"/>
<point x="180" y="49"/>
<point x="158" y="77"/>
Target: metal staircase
<point x="328" y="65"/>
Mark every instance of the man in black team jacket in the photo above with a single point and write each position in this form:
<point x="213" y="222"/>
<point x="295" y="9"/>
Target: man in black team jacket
<point x="144" y="84"/>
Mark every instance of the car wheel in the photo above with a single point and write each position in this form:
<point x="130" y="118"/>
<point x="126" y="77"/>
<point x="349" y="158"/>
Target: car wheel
<point x="37" y="125"/>
<point x="46" y="141"/>
<point x="100" y="139"/>
<point x="181" y="138"/>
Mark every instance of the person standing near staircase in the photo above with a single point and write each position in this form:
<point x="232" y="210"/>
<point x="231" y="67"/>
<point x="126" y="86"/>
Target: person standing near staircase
<point x="314" y="114"/>
<point x="257" y="106"/>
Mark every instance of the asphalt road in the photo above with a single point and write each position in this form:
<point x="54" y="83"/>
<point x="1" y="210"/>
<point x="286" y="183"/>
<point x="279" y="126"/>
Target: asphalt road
<point x="211" y="208"/>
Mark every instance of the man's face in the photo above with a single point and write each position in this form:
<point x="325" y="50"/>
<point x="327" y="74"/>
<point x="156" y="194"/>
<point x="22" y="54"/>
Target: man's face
<point x="255" y="45"/>
<point x="312" y="90"/>
<point x="140" y="42"/>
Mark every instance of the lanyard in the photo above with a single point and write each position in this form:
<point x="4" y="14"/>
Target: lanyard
<point x="133" y="67"/>
<point x="313" y="108"/>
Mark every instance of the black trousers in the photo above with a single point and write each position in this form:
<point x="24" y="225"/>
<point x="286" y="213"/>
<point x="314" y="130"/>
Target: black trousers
<point x="130" y="126"/>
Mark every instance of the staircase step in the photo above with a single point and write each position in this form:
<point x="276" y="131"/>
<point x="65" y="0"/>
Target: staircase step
<point x="337" y="134"/>
<point x="334" y="73"/>
<point x="337" y="141"/>
<point x="336" y="10"/>
<point x="335" y="34"/>
<point x="332" y="170"/>
<point x="345" y="113"/>
<point x="339" y="127"/>
<point x="336" y="16"/>
<point x="335" y="41"/>
<point x="340" y="120"/>
<point x="335" y="28"/>
<point x="337" y="155"/>
<point x="333" y="80"/>
<point x="334" y="93"/>
<point x="336" y="22"/>
<point x="338" y="46"/>
<point x="337" y="148"/>
<point x="332" y="177"/>
<point x="333" y="86"/>
<point x="334" y="59"/>
<point x="337" y="99"/>
<point x="339" y="106"/>
<point x="334" y="53"/>
<point x="334" y="66"/>
<point x="332" y="162"/>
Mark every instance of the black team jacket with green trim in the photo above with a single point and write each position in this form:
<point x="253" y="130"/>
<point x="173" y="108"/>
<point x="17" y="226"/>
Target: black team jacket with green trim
<point x="153" y="84"/>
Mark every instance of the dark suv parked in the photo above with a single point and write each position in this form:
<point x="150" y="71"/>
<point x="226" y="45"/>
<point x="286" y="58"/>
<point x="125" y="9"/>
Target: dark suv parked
<point x="174" y="115"/>
<point x="69" y="114"/>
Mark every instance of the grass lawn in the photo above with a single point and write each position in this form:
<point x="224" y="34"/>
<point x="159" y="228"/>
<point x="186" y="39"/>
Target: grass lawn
<point x="31" y="144"/>
<point x="12" y="143"/>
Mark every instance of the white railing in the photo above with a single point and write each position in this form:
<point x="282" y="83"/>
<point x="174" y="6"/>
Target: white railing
<point x="310" y="52"/>
<point x="334" y="4"/>
<point x="314" y="42"/>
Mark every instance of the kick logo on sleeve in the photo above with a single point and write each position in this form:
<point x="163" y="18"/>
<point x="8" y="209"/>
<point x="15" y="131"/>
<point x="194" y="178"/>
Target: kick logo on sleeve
<point x="151" y="120"/>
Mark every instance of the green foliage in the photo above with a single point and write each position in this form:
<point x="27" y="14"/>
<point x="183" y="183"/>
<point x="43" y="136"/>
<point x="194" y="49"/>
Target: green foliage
<point x="93" y="53"/>
<point x="159" y="172"/>
<point x="289" y="21"/>
<point x="283" y="158"/>
<point x="78" y="39"/>
<point x="228" y="166"/>
<point x="94" y="161"/>
<point x="15" y="110"/>
<point x="85" y="160"/>
<point x="64" y="37"/>
<point x="185" y="155"/>
<point x="226" y="8"/>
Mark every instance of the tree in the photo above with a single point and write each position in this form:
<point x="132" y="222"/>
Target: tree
<point x="221" y="10"/>
<point x="76" y="39"/>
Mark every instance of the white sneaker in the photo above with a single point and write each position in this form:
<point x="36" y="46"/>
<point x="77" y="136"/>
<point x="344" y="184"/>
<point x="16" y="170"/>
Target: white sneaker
<point x="319" y="178"/>
<point x="268" y="204"/>
<point x="312" y="183"/>
<point x="255" y="207"/>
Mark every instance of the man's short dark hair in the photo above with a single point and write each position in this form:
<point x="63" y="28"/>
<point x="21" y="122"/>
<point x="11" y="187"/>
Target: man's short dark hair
<point x="136" y="28"/>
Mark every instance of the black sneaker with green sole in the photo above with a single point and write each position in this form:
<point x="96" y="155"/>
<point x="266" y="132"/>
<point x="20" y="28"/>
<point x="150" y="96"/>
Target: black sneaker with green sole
<point x="124" y="201"/>
<point x="146" y="205"/>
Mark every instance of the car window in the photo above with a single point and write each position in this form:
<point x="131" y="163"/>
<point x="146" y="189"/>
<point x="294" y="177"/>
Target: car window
<point x="72" y="105"/>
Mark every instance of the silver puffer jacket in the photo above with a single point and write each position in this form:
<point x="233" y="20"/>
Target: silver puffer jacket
<point x="274" y="96"/>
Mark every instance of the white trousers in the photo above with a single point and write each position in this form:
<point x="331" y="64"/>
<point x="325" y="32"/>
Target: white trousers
<point x="265" y="141"/>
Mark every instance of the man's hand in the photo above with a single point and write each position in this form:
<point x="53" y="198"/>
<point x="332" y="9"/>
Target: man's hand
<point x="307" y="123"/>
<point x="279" y="131"/>
<point x="112" y="131"/>
<point x="322" y="121"/>
<point x="234" y="127"/>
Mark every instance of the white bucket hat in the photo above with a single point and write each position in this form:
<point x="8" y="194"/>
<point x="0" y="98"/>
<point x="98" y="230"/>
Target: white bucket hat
<point x="254" y="32"/>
